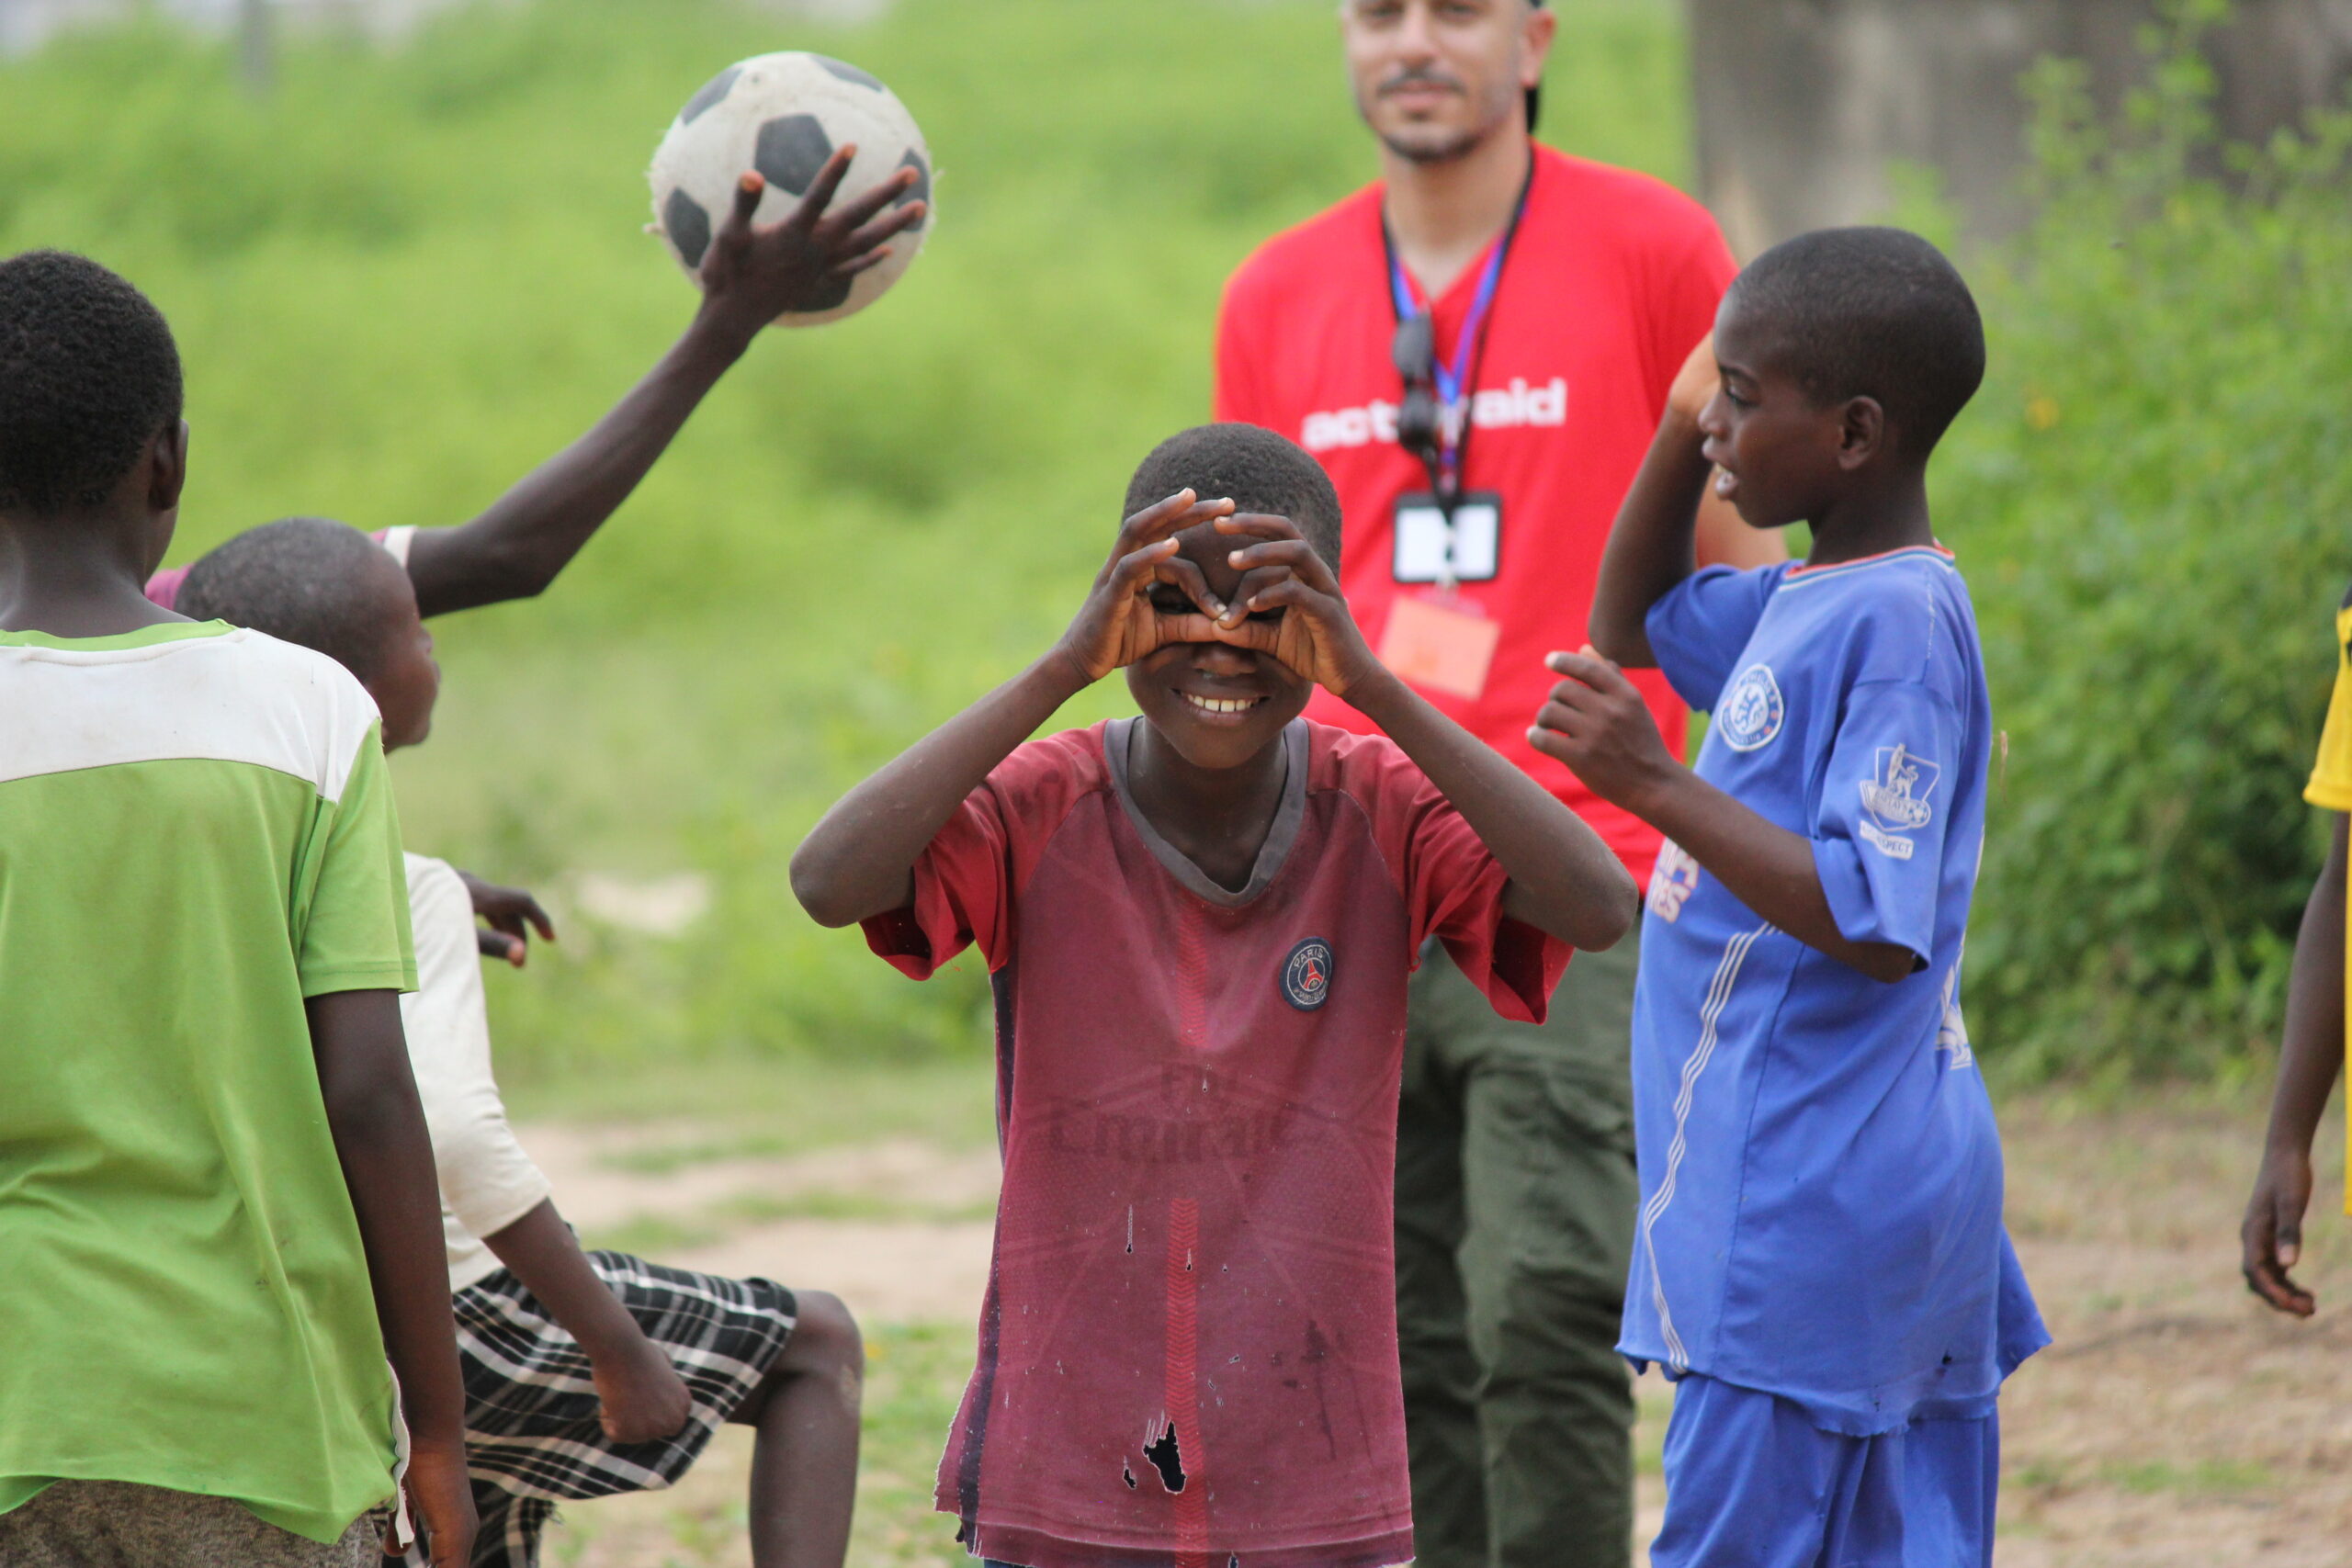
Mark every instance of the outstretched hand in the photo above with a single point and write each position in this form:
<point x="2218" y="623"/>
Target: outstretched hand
<point x="1598" y="723"/>
<point x="1146" y="595"/>
<point x="2272" y="1234"/>
<point x="508" y="916"/>
<point x="754" y="275"/>
<point x="1288" y="603"/>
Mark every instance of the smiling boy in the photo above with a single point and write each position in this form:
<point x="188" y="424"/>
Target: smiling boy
<point x="1199" y="926"/>
<point x="1821" y="1264"/>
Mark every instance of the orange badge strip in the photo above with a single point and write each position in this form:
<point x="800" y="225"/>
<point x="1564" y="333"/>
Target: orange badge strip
<point x="1446" y="650"/>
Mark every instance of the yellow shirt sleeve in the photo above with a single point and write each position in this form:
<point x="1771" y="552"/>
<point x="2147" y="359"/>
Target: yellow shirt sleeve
<point x="2331" y="783"/>
<point x="2331" y="787"/>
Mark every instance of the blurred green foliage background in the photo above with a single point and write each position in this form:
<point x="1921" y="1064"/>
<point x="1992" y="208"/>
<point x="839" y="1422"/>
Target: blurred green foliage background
<point x="407" y="275"/>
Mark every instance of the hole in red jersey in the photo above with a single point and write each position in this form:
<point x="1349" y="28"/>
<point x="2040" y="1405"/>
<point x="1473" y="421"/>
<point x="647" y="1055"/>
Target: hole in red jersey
<point x="1126" y="1475"/>
<point x="1167" y="1458"/>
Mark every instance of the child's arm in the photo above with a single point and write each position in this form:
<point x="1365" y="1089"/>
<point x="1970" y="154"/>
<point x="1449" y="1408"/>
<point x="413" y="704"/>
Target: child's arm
<point x="1654" y="543"/>
<point x="642" y="1395"/>
<point x="379" y="1137"/>
<point x="508" y="916"/>
<point x="1564" y="880"/>
<point x="1598" y="723"/>
<point x="858" y="862"/>
<point x="2310" y="1053"/>
<point x="749" y="276"/>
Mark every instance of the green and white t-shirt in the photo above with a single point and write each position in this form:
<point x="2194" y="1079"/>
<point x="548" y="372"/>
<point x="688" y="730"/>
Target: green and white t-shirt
<point x="196" y="832"/>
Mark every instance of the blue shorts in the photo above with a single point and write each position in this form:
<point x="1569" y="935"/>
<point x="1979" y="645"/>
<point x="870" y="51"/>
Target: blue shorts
<point x="1752" y="1483"/>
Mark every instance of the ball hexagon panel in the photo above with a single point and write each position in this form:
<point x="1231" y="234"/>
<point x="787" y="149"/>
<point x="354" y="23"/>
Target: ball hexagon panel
<point x="712" y="91"/>
<point x="688" y="225"/>
<point x="792" y="151"/>
<point x="849" y="73"/>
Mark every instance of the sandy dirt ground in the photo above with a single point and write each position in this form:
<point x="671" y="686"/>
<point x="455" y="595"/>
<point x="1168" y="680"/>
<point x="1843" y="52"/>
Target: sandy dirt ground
<point x="2176" y="1423"/>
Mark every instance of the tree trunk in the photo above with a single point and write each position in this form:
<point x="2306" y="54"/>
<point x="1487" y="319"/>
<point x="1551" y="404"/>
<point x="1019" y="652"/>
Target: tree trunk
<point x="256" y="49"/>
<point x="1804" y="104"/>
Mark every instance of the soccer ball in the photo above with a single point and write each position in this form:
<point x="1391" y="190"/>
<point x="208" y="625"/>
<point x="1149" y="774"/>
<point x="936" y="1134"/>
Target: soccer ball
<point x="783" y="115"/>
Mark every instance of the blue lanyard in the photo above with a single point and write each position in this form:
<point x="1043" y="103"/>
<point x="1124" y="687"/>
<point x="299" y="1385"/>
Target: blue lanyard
<point x="1450" y="378"/>
<point x="1469" y="348"/>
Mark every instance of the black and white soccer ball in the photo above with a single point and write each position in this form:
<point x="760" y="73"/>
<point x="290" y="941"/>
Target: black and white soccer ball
<point x="783" y="115"/>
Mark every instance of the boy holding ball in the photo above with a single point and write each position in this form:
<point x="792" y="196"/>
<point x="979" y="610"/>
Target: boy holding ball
<point x="1199" y="925"/>
<point x="1820" y="1262"/>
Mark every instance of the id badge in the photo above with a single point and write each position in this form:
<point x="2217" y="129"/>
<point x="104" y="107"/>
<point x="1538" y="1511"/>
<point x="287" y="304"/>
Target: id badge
<point x="1442" y="644"/>
<point x="1430" y="549"/>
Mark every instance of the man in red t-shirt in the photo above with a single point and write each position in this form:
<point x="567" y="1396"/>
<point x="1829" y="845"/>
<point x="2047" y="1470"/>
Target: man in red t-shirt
<point x="1199" y="924"/>
<point x="1478" y="349"/>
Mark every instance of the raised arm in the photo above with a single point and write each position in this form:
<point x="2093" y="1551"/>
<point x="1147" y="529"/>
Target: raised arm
<point x="2311" y="1054"/>
<point x="858" y="862"/>
<point x="380" y="1137"/>
<point x="1654" y="543"/>
<point x="1564" y="880"/>
<point x="1598" y="723"/>
<point x="749" y="276"/>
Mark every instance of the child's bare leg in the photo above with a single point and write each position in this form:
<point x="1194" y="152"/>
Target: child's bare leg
<point x="804" y="1463"/>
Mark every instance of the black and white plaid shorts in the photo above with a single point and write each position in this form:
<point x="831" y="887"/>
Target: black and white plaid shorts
<point x="532" y="1436"/>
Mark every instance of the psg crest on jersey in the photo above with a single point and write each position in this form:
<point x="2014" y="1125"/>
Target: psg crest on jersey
<point x="1307" y="975"/>
<point x="1752" y="711"/>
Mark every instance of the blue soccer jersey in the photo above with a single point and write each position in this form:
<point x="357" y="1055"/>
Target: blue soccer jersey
<point x="1821" y="1177"/>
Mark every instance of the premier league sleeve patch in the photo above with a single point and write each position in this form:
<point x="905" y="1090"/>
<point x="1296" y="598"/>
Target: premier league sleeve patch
<point x="1896" y="800"/>
<point x="1307" y="975"/>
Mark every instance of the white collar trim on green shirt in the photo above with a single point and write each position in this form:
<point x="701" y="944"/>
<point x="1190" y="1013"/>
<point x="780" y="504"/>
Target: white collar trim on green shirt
<point x="179" y="691"/>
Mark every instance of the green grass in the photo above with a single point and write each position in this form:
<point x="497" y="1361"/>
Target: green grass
<point x="752" y="1107"/>
<point x="914" y="1377"/>
<point x="409" y="275"/>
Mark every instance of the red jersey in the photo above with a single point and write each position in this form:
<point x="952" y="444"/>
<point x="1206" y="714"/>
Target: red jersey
<point x="1188" y="1351"/>
<point x="1611" y="278"/>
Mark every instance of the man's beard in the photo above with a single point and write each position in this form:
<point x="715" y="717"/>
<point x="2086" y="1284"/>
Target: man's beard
<point x="1427" y="147"/>
<point x="1449" y="148"/>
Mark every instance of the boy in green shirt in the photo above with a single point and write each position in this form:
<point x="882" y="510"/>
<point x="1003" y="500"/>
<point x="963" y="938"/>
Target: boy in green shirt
<point x="217" y="1198"/>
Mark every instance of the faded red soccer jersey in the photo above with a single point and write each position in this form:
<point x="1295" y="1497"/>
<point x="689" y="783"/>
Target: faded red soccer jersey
<point x="1197" y="1095"/>
<point x="1613" y="278"/>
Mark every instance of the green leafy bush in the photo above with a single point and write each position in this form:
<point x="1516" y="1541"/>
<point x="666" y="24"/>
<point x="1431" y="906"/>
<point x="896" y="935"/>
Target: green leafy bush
<point x="2154" y="500"/>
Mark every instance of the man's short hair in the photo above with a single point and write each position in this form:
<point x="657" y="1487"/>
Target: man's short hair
<point x="1258" y="469"/>
<point x="310" y="581"/>
<point x="88" y="375"/>
<point x="1535" y="94"/>
<point x="1871" y="312"/>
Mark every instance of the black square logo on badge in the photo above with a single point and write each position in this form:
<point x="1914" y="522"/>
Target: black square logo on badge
<point x="1307" y="975"/>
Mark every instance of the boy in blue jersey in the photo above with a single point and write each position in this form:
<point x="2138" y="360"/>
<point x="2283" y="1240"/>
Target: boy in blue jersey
<point x="1820" y="1261"/>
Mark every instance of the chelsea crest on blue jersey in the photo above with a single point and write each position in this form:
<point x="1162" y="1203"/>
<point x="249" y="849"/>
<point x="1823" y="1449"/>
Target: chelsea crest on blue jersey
<point x="1821" y="1177"/>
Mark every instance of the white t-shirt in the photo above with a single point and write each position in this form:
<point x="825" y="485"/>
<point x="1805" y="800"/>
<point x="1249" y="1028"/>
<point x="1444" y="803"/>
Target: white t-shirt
<point x="487" y="1181"/>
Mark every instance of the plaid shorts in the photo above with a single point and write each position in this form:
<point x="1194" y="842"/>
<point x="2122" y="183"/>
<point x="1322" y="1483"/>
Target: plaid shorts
<point x="532" y="1436"/>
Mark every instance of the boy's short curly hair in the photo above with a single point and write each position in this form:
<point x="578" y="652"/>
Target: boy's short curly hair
<point x="1871" y="312"/>
<point x="88" y="375"/>
<point x="1257" y="469"/>
<point x="308" y="581"/>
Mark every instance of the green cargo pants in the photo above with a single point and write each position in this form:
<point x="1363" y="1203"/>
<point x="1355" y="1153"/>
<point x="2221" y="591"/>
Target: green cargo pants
<point x="1515" y="1198"/>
